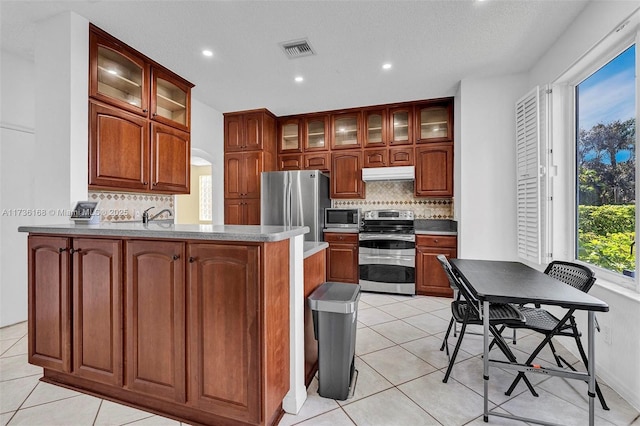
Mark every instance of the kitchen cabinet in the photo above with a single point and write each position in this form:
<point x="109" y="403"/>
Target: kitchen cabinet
<point x="345" y="130"/>
<point x="290" y="162"/>
<point x="376" y="157"/>
<point x="238" y="211"/>
<point x="434" y="170"/>
<point x="85" y="327"/>
<point x="342" y="257"/>
<point x="434" y="121"/>
<point x="97" y="309"/>
<point x="375" y="127"/>
<point x="126" y="152"/>
<point x="401" y="156"/>
<point x="289" y="135"/>
<point x="346" y="174"/>
<point x="139" y="121"/>
<point x="431" y="279"/>
<point x="202" y="327"/>
<point x="317" y="161"/>
<point x="250" y="149"/>
<point x="400" y="122"/>
<point x="250" y="131"/>
<point x="316" y="132"/>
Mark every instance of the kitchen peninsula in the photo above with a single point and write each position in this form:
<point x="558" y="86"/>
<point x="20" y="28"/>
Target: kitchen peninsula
<point x="189" y="321"/>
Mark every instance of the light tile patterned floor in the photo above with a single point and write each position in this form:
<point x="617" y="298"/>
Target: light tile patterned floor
<point x="399" y="383"/>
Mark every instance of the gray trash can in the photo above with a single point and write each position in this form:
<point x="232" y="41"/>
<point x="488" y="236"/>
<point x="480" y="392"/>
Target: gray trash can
<point x="335" y="309"/>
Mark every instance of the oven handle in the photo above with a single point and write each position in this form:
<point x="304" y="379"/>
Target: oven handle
<point x="392" y="237"/>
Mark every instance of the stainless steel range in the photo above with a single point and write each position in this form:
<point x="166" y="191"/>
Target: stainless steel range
<point x="387" y="252"/>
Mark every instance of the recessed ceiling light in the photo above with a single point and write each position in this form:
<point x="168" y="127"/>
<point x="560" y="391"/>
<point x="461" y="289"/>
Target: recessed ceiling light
<point x="299" y="79"/>
<point x="386" y="66"/>
<point x="207" y="52"/>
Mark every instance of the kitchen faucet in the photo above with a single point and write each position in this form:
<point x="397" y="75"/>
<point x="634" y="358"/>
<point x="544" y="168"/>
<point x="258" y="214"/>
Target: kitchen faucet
<point x="145" y="215"/>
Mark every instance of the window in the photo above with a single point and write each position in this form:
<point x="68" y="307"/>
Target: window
<point x="206" y="208"/>
<point x="605" y="159"/>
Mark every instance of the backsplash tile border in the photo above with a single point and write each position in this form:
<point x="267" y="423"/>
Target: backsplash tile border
<point x="128" y="206"/>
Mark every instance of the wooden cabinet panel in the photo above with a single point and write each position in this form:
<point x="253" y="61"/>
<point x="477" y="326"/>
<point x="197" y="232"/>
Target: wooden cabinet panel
<point x="170" y="99"/>
<point x="316" y="133"/>
<point x="252" y="211"/>
<point x="242" y="174"/>
<point x="434" y="170"/>
<point x="289" y="135"/>
<point x="431" y="279"/>
<point x="233" y="133"/>
<point x="252" y="174"/>
<point x="315" y="273"/>
<point x="253" y="131"/>
<point x="375" y="127"/>
<point x="401" y="156"/>
<point x="400" y="125"/>
<point x="223" y="329"/>
<point x="155" y="312"/>
<point x="434" y="121"/>
<point x="118" y="148"/>
<point x="49" y="303"/>
<point x="290" y="162"/>
<point x="171" y="154"/>
<point x="345" y="130"/>
<point x="97" y="310"/>
<point x="317" y="161"/>
<point x="342" y="257"/>
<point x="242" y="211"/>
<point x="346" y="175"/>
<point x="375" y="157"/>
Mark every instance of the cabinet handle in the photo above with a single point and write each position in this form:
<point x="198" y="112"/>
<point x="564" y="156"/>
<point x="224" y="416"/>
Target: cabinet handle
<point x="436" y="241"/>
<point x="72" y="251"/>
<point x="62" y="250"/>
<point x="176" y="256"/>
<point x="155" y="183"/>
<point x="145" y="183"/>
<point x="192" y="259"/>
<point x="145" y="110"/>
<point x="155" y="114"/>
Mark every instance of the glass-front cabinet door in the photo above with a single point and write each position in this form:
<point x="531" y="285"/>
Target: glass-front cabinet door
<point x="434" y="122"/>
<point x="316" y="130"/>
<point x="169" y="100"/>
<point x="400" y="126"/>
<point x="289" y="135"/>
<point x="375" y="132"/>
<point x="118" y="76"/>
<point x="345" y="130"/>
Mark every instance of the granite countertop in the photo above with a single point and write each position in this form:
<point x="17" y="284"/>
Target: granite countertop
<point x="312" y="247"/>
<point x="436" y="227"/>
<point x="253" y="233"/>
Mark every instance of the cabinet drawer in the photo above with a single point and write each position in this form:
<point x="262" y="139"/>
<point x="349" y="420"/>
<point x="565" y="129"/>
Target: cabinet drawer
<point x="341" y="237"/>
<point x="436" y="240"/>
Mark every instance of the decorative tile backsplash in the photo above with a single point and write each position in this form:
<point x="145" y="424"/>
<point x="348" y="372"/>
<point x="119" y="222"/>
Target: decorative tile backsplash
<point x="124" y="206"/>
<point x="399" y="196"/>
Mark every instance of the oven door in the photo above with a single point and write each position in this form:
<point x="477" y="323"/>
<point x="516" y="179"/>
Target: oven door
<point x="387" y="263"/>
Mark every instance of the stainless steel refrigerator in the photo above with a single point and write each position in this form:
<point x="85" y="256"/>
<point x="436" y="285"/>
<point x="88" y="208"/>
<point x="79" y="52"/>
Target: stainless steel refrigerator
<point x="295" y="198"/>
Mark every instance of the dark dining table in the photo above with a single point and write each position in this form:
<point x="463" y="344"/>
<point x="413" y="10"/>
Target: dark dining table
<point x="514" y="282"/>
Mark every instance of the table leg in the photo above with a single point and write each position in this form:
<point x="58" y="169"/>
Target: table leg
<point x="485" y="358"/>
<point x="591" y="368"/>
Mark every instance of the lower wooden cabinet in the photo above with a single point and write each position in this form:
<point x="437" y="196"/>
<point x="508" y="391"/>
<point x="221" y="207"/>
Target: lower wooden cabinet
<point x="198" y="331"/>
<point x="342" y="257"/>
<point x="242" y="211"/>
<point x="431" y="279"/>
<point x="155" y="312"/>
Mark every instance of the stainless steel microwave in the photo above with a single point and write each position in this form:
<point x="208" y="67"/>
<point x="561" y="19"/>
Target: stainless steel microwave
<point x="341" y="218"/>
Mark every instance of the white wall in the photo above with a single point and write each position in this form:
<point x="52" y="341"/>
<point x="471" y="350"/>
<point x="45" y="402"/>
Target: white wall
<point x="617" y="363"/>
<point x="485" y="178"/>
<point x="17" y="143"/>
<point x="207" y="138"/>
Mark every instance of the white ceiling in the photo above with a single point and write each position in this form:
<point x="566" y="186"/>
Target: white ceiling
<point x="432" y="45"/>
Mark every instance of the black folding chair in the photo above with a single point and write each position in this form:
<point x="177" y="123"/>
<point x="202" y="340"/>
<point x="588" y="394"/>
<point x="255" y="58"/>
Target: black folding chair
<point x="541" y="321"/>
<point x="465" y="310"/>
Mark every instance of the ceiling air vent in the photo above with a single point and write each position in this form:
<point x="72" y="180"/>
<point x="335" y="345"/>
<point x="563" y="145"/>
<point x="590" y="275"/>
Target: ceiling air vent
<point x="297" y="48"/>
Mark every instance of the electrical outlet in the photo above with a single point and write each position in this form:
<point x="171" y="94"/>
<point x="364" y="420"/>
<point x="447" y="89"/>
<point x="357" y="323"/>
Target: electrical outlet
<point x="606" y="331"/>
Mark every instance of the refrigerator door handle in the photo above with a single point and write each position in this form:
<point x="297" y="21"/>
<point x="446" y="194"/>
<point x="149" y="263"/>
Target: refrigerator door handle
<point x="287" y="207"/>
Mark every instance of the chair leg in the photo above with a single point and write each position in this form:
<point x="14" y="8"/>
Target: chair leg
<point x="555" y="354"/>
<point x="455" y="352"/>
<point x="446" y="336"/>
<point x="510" y="356"/>
<point x="513" y="339"/>
<point x="500" y="330"/>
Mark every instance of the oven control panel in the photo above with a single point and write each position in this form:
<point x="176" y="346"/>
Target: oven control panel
<point x="389" y="214"/>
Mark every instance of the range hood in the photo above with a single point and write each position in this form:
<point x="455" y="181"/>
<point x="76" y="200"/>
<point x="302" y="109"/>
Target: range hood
<point x="388" y="173"/>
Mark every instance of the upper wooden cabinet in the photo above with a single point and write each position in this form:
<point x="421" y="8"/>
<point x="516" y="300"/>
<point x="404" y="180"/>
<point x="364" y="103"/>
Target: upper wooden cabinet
<point x="375" y="127"/>
<point x="124" y="77"/>
<point x="434" y="170"/>
<point x="316" y="132"/>
<point x="289" y="135"/>
<point x="345" y="130"/>
<point x="140" y="116"/>
<point x="434" y="121"/>
<point x="249" y="131"/>
<point x="126" y="152"/>
<point x="400" y="121"/>
<point x="346" y="174"/>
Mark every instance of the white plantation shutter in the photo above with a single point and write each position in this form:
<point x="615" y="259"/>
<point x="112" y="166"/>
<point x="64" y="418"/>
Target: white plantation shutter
<point x="532" y="193"/>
